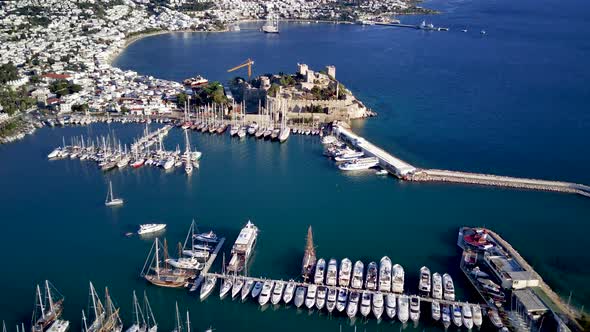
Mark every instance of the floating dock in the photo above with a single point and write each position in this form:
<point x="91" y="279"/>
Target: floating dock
<point x="406" y="171"/>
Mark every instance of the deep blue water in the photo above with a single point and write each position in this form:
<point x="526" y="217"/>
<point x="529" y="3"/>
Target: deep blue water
<point x="512" y="102"/>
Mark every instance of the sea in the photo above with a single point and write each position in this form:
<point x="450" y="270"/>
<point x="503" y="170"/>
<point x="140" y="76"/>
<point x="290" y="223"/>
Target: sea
<point x="512" y="102"/>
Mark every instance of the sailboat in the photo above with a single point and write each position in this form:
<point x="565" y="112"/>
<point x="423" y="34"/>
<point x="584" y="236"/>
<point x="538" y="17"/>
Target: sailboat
<point x="163" y="276"/>
<point x="285" y="130"/>
<point x="105" y="318"/>
<point x="151" y="324"/>
<point x="139" y="324"/>
<point x="309" y="257"/>
<point x="178" y="325"/>
<point x="48" y="308"/>
<point x="188" y="165"/>
<point x="111" y="200"/>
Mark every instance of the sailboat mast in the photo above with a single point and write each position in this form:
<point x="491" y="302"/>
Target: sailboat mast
<point x="188" y="323"/>
<point x="178" y="327"/>
<point x="93" y="294"/>
<point x="40" y="302"/>
<point x="136" y="308"/>
<point x="157" y="259"/>
<point x="49" y="298"/>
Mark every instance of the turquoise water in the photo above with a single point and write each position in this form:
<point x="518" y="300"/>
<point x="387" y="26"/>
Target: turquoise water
<point x="512" y="102"/>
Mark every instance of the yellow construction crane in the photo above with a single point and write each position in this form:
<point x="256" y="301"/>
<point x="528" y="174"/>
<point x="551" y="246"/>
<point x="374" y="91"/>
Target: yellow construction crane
<point x="248" y="64"/>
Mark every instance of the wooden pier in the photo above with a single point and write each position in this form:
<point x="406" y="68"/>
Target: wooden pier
<point x="208" y="265"/>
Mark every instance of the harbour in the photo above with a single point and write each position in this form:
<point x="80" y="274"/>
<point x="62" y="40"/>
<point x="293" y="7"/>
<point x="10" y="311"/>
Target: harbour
<point x="440" y="107"/>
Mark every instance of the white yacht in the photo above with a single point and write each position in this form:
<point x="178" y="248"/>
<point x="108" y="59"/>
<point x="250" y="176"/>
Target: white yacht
<point x="425" y="283"/>
<point x="209" y="237"/>
<point x="345" y="271"/>
<point x="495" y="318"/>
<point x="477" y="316"/>
<point x="55" y="153"/>
<point x="111" y="200"/>
<point x="186" y="263"/>
<point x="320" y="270"/>
<point x="385" y="274"/>
<point x="357" y="275"/>
<point x="226" y="287"/>
<point x="378" y="305"/>
<point x="359" y="164"/>
<point x="320" y="300"/>
<point x="437" y="289"/>
<point x="311" y="295"/>
<point x="332" y="273"/>
<point x="342" y="299"/>
<point x="467" y="316"/>
<point x="446" y="316"/>
<point x="289" y="292"/>
<point x="353" y="304"/>
<point x="332" y="297"/>
<point x="257" y="289"/>
<point x="390" y="305"/>
<point x="266" y="292"/>
<point x="237" y="287"/>
<point x="403" y="308"/>
<point x="243" y="247"/>
<point x="397" y="285"/>
<point x="207" y="286"/>
<point x="271" y="25"/>
<point x="365" y="304"/>
<point x="371" y="280"/>
<point x="448" y="287"/>
<point x="435" y="310"/>
<point x="414" y="308"/>
<point x="299" y="296"/>
<point x="349" y="156"/>
<point x="247" y="289"/>
<point x="277" y="293"/>
<point x="252" y="128"/>
<point x="150" y="228"/>
<point x="457" y="316"/>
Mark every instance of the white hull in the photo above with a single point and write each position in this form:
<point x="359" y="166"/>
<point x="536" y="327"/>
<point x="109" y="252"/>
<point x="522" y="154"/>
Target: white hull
<point x="289" y="292"/>
<point x="390" y="305"/>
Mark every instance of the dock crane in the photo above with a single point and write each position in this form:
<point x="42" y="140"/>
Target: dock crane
<point x="248" y="64"/>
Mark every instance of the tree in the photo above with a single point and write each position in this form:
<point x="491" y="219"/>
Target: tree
<point x="8" y="73"/>
<point x="181" y="99"/>
<point x="273" y="90"/>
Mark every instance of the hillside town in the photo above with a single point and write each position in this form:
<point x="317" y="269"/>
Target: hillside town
<point x="56" y="55"/>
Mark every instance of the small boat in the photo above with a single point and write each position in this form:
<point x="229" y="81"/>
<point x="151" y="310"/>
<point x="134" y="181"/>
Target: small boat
<point x="414" y="308"/>
<point x="403" y="308"/>
<point x="359" y="164"/>
<point x="467" y="316"/>
<point x="311" y="295"/>
<point x="424" y="285"/>
<point x="495" y="318"/>
<point x="357" y="275"/>
<point x="457" y="316"/>
<point x="186" y="263"/>
<point x="365" y="304"/>
<point x="390" y="305"/>
<point x="226" y="287"/>
<point x="353" y="304"/>
<point x="266" y="292"/>
<point x="397" y="283"/>
<point x="342" y="299"/>
<point x="150" y="228"/>
<point x="299" y="296"/>
<point x="477" y="272"/>
<point x="207" y="237"/>
<point x="446" y="316"/>
<point x="437" y="289"/>
<point x="208" y="286"/>
<point x="378" y="305"/>
<point x="55" y="153"/>
<point x="203" y="247"/>
<point x="332" y="297"/>
<point x="489" y="285"/>
<point x="257" y="288"/>
<point x="385" y="274"/>
<point x="320" y="270"/>
<point x="435" y="310"/>
<point x="320" y="300"/>
<point x="477" y="317"/>
<point x="237" y="287"/>
<point x="345" y="271"/>
<point x="371" y="280"/>
<point x="289" y="292"/>
<point x="382" y="172"/>
<point x="448" y="287"/>
<point x="196" y="254"/>
<point x="111" y="200"/>
<point x="463" y="30"/>
<point x="277" y="293"/>
<point x="483" y="32"/>
<point x="247" y="288"/>
<point x="332" y="273"/>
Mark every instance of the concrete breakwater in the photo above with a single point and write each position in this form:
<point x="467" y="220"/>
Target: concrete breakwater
<point x="406" y="171"/>
<point x="436" y="175"/>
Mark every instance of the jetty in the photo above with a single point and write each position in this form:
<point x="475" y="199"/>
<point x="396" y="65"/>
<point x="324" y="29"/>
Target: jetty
<point x="207" y="266"/>
<point x="405" y="171"/>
